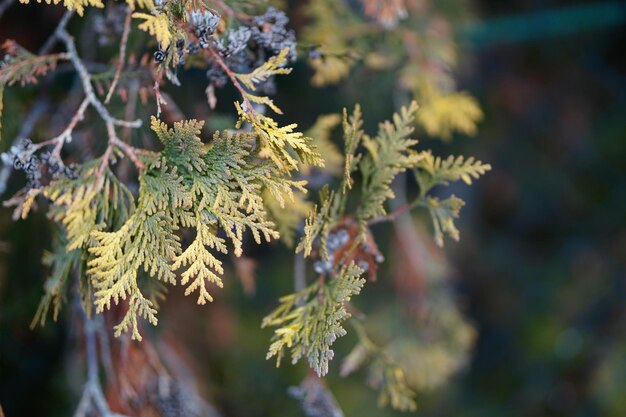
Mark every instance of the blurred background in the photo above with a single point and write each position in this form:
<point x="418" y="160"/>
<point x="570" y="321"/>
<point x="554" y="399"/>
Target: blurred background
<point x="539" y="272"/>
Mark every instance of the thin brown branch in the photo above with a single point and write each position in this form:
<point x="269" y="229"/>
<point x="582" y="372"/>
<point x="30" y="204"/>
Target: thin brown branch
<point x="122" y="59"/>
<point x="104" y="163"/>
<point x="130" y="151"/>
<point x="109" y="120"/>
<point x="391" y="216"/>
<point x="66" y="135"/>
<point x="400" y="210"/>
<point x="131" y="106"/>
<point x="159" y="97"/>
<point x="233" y="79"/>
<point x="230" y="12"/>
<point x="86" y="81"/>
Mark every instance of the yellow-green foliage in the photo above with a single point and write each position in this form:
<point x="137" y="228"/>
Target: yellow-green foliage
<point x="320" y="133"/>
<point x="166" y="25"/>
<point x="61" y="262"/>
<point x="21" y="66"/>
<point x="388" y="154"/>
<point x="281" y="144"/>
<point x="432" y="171"/>
<point x="330" y="19"/>
<point x="441" y="116"/>
<point x="309" y="321"/>
<point x="417" y="47"/>
<point x="379" y="159"/>
<point x="197" y="201"/>
<point x="319" y="223"/>
<point x="278" y="143"/>
<point x="210" y="189"/>
<point x="418" y="355"/>
<point x="187" y="186"/>
<point x="88" y="203"/>
<point x="287" y="219"/>
<point x="273" y="66"/>
<point x="79" y="5"/>
<point x="384" y="373"/>
<point x="157" y="25"/>
<point x="332" y="204"/>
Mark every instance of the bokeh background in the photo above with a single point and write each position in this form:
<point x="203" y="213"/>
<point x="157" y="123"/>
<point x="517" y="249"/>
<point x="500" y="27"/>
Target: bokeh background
<point x="540" y="270"/>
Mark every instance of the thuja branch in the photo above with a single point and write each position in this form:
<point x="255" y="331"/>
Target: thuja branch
<point x="66" y="135"/>
<point x="218" y="59"/>
<point x="109" y="120"/>
<point x="122" y="59"/>
<point x="419" y="202"/>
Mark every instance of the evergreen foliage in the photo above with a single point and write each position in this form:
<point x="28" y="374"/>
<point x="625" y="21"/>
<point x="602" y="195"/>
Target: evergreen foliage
<point x="329" y="236"/>
<point x="122" y="241"/>
<point x="189" y="185"/>
<point x="78" y="5"/>
<point x="19" y="66"/>
<point x="407" y="38"/>
<point x="310" y="320"/>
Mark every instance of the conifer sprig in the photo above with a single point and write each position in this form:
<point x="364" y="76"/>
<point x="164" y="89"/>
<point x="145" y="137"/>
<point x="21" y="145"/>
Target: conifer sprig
<point x="187" y="186"/>
<point x="388" y="154"/>
<point x="388" y="37"/>
<point x="310" y="320"/>
<point x="80" y="5"/>
<point x="193" y="202"/>
<point x="384" y="374"/>
<point x="340" y="238"/>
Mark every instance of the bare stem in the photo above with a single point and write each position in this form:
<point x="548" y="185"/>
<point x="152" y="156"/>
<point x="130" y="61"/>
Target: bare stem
<point x="122" y="59"/>
<point x="419" y="202"/>
<point x="93" y="396"/>
<point x="90" y="94"/>
<point x="55" y="35"/>
<point x="233" y="79"/>
<point x="66" y="135"/>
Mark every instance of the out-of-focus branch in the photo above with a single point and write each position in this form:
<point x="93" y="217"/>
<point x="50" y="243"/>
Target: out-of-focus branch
<point x="315" y="398"/>
<point x="28" y="124"/>
<point x="55" y="35"/>
<point x="230" y="12"/>
<point x="299" y="275"/>
<point x="93" y="395"/>
<point x="105" y="349"/>
<point x="218" y="59"/>
<point x="399" y="210"/>
<point x="122" y="59"/>
<point x="109" y="120"/>
<point x="66" y="135"/>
